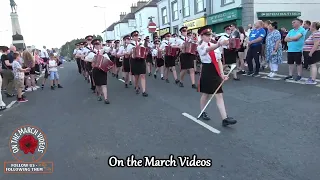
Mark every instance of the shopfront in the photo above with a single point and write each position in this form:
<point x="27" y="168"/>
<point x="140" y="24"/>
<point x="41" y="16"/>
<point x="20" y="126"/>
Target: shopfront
<point x="283" y="18"/>
<point x="194" y="25"/>
<point x="163" y="31"/>
<point x="219" y="20"/>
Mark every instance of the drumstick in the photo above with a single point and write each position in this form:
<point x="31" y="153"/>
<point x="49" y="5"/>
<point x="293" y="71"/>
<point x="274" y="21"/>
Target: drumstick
<point x="215" y="92"/>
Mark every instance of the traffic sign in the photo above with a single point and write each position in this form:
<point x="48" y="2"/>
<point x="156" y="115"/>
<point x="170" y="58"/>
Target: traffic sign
<point x="152" y="27"/>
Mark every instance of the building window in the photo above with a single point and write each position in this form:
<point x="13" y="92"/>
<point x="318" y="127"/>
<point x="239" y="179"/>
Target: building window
<point x="175" y="30"/>
<point x="199" y="6"/>
<point x="140" y="20"/>
<point x="226" y="2"/>
<point x="164" y="15"/>
<point x="175" y="13"/>
<point x="186" y="8"/>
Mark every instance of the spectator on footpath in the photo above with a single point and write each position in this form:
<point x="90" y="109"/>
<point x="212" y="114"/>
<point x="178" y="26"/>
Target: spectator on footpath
<point x="18" y="72"/>
<point x="311" y="51"/>
<point x="53" y="71"/>
<point x="241" y="51"/>
<point x="2" y="104"/>
<point x="295" y="39"/>
<point x="306" y="26"/>
<point x="44" y="54"/>
<point x="254" y="47"/>
<point x="264" y="63"/>
<point x="8" y="78"/>
<point x="284" y="33"/>
<point x="273" y="49"/>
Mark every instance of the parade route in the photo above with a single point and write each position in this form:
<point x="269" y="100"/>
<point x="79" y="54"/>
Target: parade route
<point x="276" y="137"/>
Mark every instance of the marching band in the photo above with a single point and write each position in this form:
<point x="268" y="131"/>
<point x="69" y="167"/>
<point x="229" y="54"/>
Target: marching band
<point x="134" y="59"/>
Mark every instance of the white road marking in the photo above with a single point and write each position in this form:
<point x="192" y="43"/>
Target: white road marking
<point x="271" y="78"/>
<point x="0" y="115"/>
<point x="279" y="75"/>
<point x="11" y="104"/>
<point x="296" y="82"/>
<point x="201" y="123"/>
<point x="121" y="80"/>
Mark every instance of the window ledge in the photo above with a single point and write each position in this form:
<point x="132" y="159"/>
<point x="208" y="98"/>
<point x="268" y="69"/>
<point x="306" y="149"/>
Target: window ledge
<point x="222" y="5"/>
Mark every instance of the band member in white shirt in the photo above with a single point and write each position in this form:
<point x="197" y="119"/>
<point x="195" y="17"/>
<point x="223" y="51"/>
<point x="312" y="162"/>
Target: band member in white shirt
<point x="229" y="55"/>
<point x="118" y="62"/>
<point x="211" y="75"/>
<point x="124" y="54"/>
<point x="78" y="59"/>
<point x="169" y="60"/>
<point x="100" y="77"/>
<point x="149" y="58"/>
<point x="44" y="54"/>
<point x="186" y="59"/>
<point x="157" y="53"/>
<point x="86" y="51"/>
<point x="138" y="65"/>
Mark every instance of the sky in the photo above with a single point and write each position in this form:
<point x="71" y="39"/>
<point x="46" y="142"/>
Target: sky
<point x="54" y="22"/>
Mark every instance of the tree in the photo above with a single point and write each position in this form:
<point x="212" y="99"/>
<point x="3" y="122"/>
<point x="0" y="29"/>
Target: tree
<point x="67" y="49"/>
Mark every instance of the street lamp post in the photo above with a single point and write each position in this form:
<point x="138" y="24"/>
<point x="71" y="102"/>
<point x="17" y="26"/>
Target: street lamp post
<point x="105" y="21"/>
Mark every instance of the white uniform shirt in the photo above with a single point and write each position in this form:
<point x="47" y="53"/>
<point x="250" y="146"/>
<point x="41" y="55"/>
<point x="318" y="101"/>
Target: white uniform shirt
<point x="223" y="38"/>
<point x="154" y="52"/>
<point x="44" y="54"/>
<point x="114" y="52"/>
<point x="204" y="55"/>
<point x="79" y="52"/>
<point x="163" y="45"/>
<point x="102" y="52"/>
<point x="121" y="51"/>
<point x="107" y="49"/>
<point x="75" y="51"/>
<point x="181" y="40"/>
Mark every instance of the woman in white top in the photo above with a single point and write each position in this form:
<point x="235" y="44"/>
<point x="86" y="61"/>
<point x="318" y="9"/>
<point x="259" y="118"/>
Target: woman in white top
<point x="211" y="75"/>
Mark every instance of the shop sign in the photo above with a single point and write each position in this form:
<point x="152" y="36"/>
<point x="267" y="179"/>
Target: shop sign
<point x="163" y="31"/>
<point x="194" y="24"/>
<point x="279" y="14"/>
<point x="224" y="16"/>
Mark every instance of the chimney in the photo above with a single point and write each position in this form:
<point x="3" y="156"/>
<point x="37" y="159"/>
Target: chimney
<point x="134" y="8"/>
<point x="141" y="3"/>
<point x="122" y="15"/>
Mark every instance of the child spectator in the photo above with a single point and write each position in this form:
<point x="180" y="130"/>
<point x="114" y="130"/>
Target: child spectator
<point x="53" y="71"/>
<point x="19" y="76"/>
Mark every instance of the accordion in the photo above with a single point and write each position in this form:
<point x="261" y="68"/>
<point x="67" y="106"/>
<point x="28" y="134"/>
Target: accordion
<point x="190" y="47"/>
<point x="103" y="63"/>
<point x="172" y="51"/>
<point x="139" y="52"/>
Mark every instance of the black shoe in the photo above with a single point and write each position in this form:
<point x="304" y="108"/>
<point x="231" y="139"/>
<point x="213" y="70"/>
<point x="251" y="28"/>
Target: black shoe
<point x="126" y="85"/>
<point x="59" y="86"/>
<point x="255" y="74"/>
<point x="137" y="90"/>
<point x="2" y="108"/>
<point x="130" y="83"/>
<point x="149" y="74"/>
<point x="52" y="87"/>
<point x="117" y="76"/>
<point x="99" y="98"/>
<point x="10" y="95"/>
<point x="250" y="73"/>
<point x="228" y="121"/>
<point x="194" y="86"/>
<point x="113" y="75"/>
<point x="42" y="87"/>
<point x="181" y="84"/>
<point x="177" y="81"/>
<point x="236" y="79"/>
<point x="167" y="81"/>
<point x="144" y="94"/>
<point x="288" y="78"/>
<point x="204" y="116"/>
<point x="106" y="101"/>
<point x="155" y="76"/>
<point x="162" y="78"/>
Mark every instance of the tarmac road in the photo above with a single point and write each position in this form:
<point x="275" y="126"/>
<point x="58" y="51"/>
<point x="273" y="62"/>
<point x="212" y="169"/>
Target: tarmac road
<point x="276" y="138"/>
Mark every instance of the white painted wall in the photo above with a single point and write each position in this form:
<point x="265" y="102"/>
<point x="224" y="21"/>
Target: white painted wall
<point x="308" y="8"/>
<point x="216" y="6"/>
<point x="177" y="22"/>
<point x="122" y="29"/>
<point x="142" y="20"/>
<point x="109" y="35"/>
<point x="161" y="4"/>
<point x="192" y="16"/>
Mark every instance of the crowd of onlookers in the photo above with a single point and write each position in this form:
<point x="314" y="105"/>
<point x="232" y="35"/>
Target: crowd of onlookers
<point x="20" y="69"/>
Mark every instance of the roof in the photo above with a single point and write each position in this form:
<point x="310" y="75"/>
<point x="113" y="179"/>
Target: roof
<point x="152" y="3"/>
<point x="126" y="18"/>
<point x="111" y="27"/>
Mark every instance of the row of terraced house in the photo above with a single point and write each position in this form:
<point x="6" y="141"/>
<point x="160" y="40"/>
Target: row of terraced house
<point x="170" y="15"/>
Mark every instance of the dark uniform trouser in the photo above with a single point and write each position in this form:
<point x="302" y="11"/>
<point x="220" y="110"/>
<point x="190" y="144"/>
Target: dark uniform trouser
<point x="254" y="53"/>
<point x="79" y="65"/>
<point x="93" y="87"/>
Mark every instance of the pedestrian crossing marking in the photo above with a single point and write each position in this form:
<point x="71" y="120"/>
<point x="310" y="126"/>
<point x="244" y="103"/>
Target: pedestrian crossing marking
<point x="296" y="82"/>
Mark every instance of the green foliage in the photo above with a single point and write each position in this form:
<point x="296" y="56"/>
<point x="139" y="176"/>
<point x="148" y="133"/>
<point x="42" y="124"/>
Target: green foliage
<point x="67" y="49"/>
